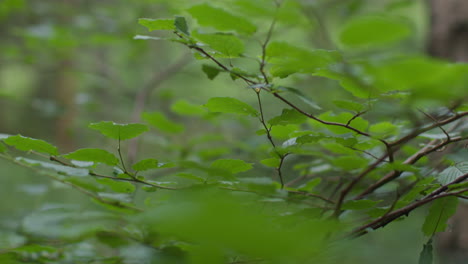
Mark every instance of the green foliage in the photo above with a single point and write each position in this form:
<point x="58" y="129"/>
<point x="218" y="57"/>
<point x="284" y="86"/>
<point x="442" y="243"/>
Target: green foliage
<point x="344" y="140"/>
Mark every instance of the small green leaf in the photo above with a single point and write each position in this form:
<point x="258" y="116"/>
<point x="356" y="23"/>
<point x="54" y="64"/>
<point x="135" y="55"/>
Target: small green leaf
<point x="119" y="131"/>
<point x="157" y="24"/>
<point x="231" y="165"/>
<point x="148" y="164"/>
<point x="288" y="116"/>
<point x="439" y="213"/>
<point x="230" y="105"/>
<point x="426" y="255"/>
<point x="31" y="144"/>
<point x="210" y="16"/>
<point x="181" y="25"/>
<point x="161" y="122"/>
<point x="374" y="31"/>
<point x="183" y="107"/>
<point x="271" y="162"/>
<point x="310" y="185"/>
<point x="94" y="155"/>
<point x="117" y="186"/>
<point x="210" y="71"/>
<point x="359" y="204"/>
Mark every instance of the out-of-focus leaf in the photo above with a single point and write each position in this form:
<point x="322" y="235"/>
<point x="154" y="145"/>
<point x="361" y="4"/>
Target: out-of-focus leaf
<point x="271" y="162"/>
<point x="231" y="165"/>
<point x="117" y="186"/>
<point x="383" y="129"/>
<point x="368" y="31"/>
<point x="94" y="155"/>
<point x="349" y="105"/>
<point x="157" y="24"/>
<point x="439" y="213"/>
<point x="28" y="144"/>
<point x="230" y="105"/>
<point x="426" y="255"/>
<point x="210" y="16"/>
<point x="359" y="204"/>
<point x="310" y="185"/>
<point x="3" y="148"/>
<point x="183" y="107"/>
<point x="161" y="122"/>
<point x="342" y="118"/>
<point x="350" y="162"/>
<point x="119" y="131"/>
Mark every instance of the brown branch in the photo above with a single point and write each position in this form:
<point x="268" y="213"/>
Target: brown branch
<point x="411" y="160"/>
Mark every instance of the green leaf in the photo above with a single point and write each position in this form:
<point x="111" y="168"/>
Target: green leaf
<point x="157" y="24"/>
<point x="383" y="129"/>
<point x="94" y="155"/>
<point x="160" y="121"/>
<point x="350" y="162"/>
<point x="55" y="167"/>
<point x="426" y="255"/>
<point x="210" y="71"/>
<point x="271" y="162"/>
<point x="349" y="105"/>
<point x="31" y="144"/>
<point x="368" y="31"/>
<point x="343" y="118"/>
<point x="3" y="148"/>
<point x="183" y="107"/>
<point x="181" y="25"/>
<point x="210" y="16"/>
<point x="117" y="186"/>
<point x="227" y="44"/>
<point x="453" y="172"/>
<point x="119" y="131"/>
<point x="287" y="59"/>
<point x="232" y="165"/>
<point x="351" y="77"/>
<point x="310" y="185"/>
<point x="439" y="213"/>
<point x="359" y="204"/>
<point x="230" y="105"/>
<point x="148" y="164"/>
<point x="288" y="116"/>
<point x="301" y="96"/>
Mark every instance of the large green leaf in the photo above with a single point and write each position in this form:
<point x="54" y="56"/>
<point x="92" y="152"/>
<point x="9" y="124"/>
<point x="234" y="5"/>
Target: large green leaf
<point x="157" y="24"/>
<point x="230" y="105"/>
<point x="220" y="19"/>
<point x="439" y="213"/>
<point x="426" y="255"/>
<point x="373" y="31"/>
<point x="342" y="118"/>
<point x="3" y="148"/>
<point x="119" y="131"/>
<point x="287" y="59"/>
<point x="227" y="44"/>
<point x="117" y="186"/>
<point x="453" y="172"/>
<point x="231" y="165"/>
<point x="161" y="122"/>
<point x="94" y="155"/>
<point x="350" y="162"/>
<point x="31" y="144"/>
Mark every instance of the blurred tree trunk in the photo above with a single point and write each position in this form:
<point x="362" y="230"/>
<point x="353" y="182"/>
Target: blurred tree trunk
<point x="449" y="40"/>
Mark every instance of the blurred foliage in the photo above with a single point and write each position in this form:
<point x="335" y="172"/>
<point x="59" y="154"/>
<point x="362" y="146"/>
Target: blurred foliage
<point x="156" y="152"/>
